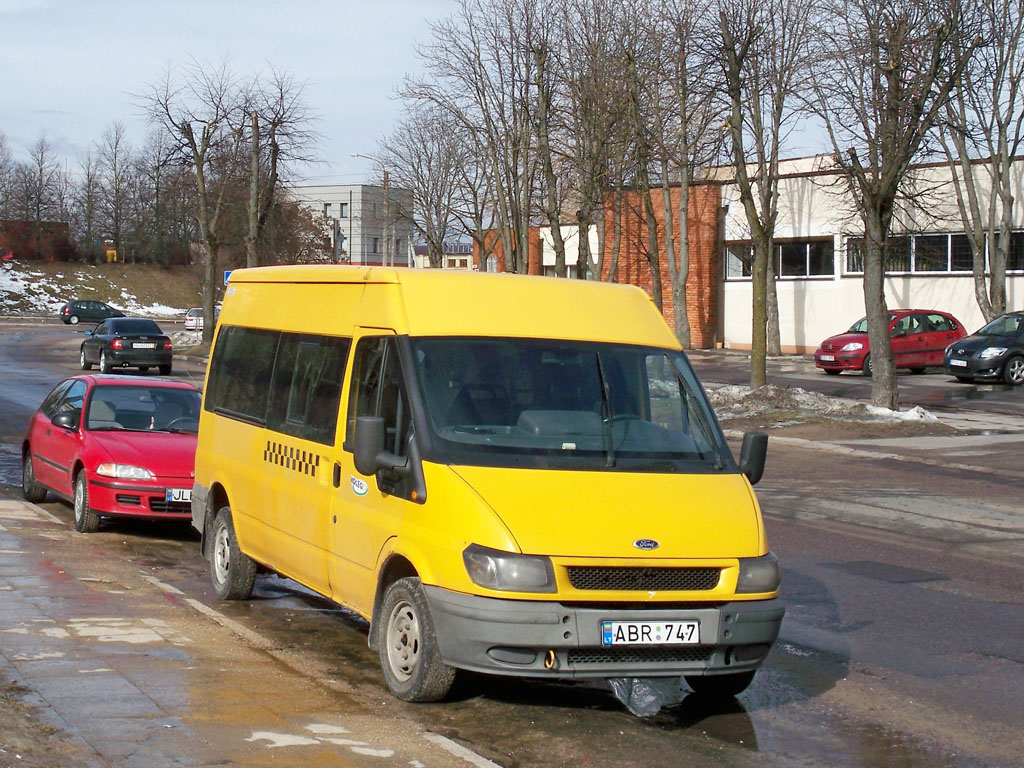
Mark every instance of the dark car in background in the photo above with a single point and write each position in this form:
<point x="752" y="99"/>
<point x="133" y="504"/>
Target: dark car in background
<point x="86" y="311"/>
<point x="114" y="446"/>
<point x="127" y="341"/>
<point x="996" y="351"/>
<point x="918" y="337"/>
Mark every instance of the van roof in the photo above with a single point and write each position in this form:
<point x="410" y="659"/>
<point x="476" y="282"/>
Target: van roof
<point x="445" y="303"/>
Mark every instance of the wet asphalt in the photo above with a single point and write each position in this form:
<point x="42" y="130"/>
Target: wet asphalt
<point x="903" y="565"/>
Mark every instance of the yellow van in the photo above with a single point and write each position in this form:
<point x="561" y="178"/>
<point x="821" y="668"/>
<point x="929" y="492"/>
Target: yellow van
<point x="507" y="474"/>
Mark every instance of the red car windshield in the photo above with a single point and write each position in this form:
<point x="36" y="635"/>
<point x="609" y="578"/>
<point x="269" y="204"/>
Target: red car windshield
<point x="143" y="408"/>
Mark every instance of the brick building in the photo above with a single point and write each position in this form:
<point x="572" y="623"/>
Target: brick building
<point x="704" y="282"/>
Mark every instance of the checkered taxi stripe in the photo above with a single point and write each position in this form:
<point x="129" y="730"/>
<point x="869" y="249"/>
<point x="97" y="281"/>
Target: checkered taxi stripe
<point x="290" y="457"/>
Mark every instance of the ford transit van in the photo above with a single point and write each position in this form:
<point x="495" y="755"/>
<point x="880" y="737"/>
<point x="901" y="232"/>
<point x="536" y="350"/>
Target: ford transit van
<point x="506" y="474"/>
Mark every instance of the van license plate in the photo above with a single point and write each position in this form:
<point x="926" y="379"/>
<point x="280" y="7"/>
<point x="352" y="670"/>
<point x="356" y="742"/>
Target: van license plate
<point x="828" y="358"/>
<point x="179" y="494"/>
<point x="958" y="363"/>
<point x="650" y="633"/>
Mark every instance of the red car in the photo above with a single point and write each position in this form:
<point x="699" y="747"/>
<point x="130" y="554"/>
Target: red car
<point x="919" y="338"/>
<point x="114" y="446"/>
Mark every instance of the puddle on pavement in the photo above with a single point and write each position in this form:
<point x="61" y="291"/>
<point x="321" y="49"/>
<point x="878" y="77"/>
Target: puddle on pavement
<point x="10" y="465"/>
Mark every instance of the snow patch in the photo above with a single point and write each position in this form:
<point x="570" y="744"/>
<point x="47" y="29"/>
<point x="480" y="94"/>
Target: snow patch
<point x="733" y="401"/>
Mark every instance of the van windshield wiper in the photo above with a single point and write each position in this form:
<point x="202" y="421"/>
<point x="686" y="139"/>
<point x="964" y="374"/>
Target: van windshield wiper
<point x="702" y="422"/>
<point x="606" y="421"/>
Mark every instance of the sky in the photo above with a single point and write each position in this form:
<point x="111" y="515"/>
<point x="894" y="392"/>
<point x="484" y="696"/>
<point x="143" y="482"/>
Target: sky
<point x="70" y="68"/>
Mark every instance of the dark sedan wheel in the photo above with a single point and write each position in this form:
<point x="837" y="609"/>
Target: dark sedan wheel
<point x="74" y="320"/>
<point x="30" y="487"/>
<point x="1013" y="371"/>
<point x="86" y="520"/>
<point x="86" y="365"/>
<point x="165" y="370"/>
<point x="105" y="366"/>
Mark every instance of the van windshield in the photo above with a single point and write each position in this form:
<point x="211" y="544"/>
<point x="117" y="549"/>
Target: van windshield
<point x="564" y="404"/>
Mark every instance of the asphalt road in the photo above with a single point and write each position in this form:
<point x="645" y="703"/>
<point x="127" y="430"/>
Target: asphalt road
<point x="903" y="645"/>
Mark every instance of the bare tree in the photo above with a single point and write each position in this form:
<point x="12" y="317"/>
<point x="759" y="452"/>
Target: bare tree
<point x="116" y="183"/>
<point x="986" y="121"/>
<point x="688" y="139"/>
<point x="36" y="189"/>
<point x="87" y="204"/>
<point x="6" y="177"/>
<point x="885" y="72"/>
<point x="596" y="107"/>
<point x="280" y="135"/>
<point x="481" y="74"/>
<point x="424" y="154"/>
<point x="764" y="61"/>
<point x="200" y="108"/>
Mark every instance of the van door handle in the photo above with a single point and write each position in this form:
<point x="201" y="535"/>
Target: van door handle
<point x="337" y="475"/>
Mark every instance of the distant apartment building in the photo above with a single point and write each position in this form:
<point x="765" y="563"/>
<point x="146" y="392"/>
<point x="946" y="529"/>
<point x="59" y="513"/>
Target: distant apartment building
<point x="453" y="256"/>
<point x="366" y="226"/>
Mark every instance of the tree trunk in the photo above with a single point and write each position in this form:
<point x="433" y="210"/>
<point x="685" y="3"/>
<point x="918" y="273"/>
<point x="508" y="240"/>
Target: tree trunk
<point x="883" y="381"/>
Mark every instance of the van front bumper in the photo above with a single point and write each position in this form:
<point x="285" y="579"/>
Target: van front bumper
<point x="547" y="639"/>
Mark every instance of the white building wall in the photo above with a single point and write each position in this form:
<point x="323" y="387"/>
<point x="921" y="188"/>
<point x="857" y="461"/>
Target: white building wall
<point x="570" y="236"/>
<point x="812" y="308"/>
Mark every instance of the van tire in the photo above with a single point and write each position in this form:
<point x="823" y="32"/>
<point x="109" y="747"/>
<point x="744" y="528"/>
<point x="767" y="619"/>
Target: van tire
<point x="233" y="571"/>
<point x="720" y="686"/>
<point x="409" y="656"/>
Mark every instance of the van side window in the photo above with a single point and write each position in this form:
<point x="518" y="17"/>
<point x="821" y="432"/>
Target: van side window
<point x="377" y="391"/>
<point x="240" y="373"/>
<point x="306" y="389"/>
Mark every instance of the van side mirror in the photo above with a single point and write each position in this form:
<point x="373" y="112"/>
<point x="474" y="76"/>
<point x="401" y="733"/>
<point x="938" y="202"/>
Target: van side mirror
<point x="66" y="420"/>
<point x="752" y="455"/>
<point x="368" y="448"/>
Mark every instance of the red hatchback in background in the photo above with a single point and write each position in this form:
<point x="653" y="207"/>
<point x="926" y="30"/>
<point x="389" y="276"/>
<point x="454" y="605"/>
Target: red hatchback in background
<point x="919" y="338"/>
<point x="114" y="446"/>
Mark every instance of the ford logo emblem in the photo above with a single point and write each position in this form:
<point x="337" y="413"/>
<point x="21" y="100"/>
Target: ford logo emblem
<point x="646" y="544"/>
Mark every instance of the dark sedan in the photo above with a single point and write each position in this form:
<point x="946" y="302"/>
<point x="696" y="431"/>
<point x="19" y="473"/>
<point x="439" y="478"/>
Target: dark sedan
<point x="127" y="341"/>
<point x="87" y="311"/>
<point x="994" y="352"/>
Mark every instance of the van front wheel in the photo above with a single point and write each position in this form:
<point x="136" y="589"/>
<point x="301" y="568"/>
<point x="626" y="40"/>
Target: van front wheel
<point x="409" y="656"/>
<point x="233" y="571"/>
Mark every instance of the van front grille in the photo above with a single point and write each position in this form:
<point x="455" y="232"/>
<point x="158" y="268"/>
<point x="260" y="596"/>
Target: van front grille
<point x="632" y="578"/>
<point x="639" y="655"/>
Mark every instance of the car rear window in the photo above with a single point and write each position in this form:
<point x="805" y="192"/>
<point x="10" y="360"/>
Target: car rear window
<point x="134" y="326"/>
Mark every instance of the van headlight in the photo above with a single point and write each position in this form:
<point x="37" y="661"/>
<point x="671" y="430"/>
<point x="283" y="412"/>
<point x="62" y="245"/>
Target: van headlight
<point x="758" y="574"/>
<point x="494" y="569"/>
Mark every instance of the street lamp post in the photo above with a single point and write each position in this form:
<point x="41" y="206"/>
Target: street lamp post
<point x="386" y="236"/>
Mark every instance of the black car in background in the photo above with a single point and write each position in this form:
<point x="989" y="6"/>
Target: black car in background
<point x="127" y="341"/>
<point x="994" y="352"/>
<point x="87" y="311"/>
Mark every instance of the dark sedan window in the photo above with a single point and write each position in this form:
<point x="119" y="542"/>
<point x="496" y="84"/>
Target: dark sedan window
<point x="134" y="326"/>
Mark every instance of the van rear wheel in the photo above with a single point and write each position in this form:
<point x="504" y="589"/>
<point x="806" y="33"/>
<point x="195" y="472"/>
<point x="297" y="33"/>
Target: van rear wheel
<point x="720" y="686"/>
<point x="409" y="656"/>
<point x="233" y="571"/>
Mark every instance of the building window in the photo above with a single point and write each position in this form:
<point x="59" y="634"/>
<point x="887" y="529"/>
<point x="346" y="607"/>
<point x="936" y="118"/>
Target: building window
<point x="376" y="245"/>
<point x="492" y="263"/>
<point x="931" y="253"/>
<point x="342" y="210"/>
<point x="796" y="258"/>
<point x="738" y="259"/>
<point x="327" y="210"/>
